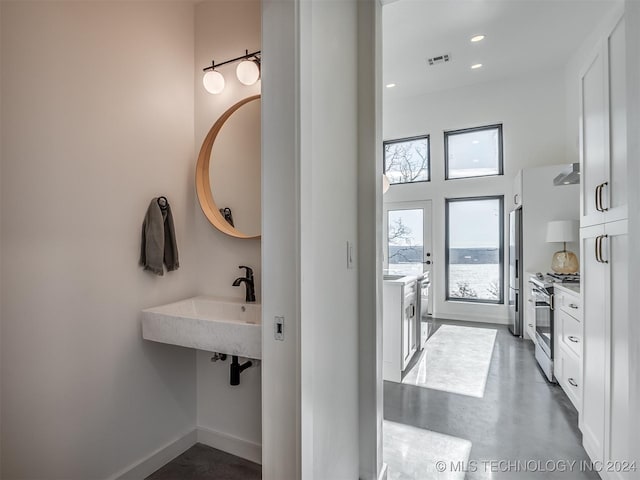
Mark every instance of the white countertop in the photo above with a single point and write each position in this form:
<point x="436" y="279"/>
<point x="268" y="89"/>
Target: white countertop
<point x="402" y="278"/>
<point x="569" y="287"/>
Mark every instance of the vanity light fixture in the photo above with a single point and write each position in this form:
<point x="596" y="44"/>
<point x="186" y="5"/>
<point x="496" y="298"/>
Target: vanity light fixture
<point x="248" y="72"/>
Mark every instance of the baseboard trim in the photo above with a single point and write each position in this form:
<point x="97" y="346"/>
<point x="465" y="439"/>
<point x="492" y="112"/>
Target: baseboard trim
<point x="228" y="443"/>
<point x="157" y="459"/>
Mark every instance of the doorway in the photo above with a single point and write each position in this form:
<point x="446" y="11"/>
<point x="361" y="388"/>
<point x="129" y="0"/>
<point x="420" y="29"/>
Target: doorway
<point x="408" y="233"/>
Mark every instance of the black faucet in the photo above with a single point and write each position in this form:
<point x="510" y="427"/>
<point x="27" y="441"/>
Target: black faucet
<point x="248" y="283"/>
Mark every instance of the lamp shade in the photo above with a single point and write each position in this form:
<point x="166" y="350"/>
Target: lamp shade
<point x="213" y="82"/>
<point x="248" y="72"/>
<point x="385" y="183"/>
<point x="562" y="231"/>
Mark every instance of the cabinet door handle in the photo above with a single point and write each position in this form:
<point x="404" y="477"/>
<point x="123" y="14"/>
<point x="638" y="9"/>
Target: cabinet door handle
<point x="573" y="339"/>
<point x="597" y="249"/>
<point x="597" y="198"/>
<point x="602" y="260"/>
<point x="515" y="199"/>
<point x="531" y="325"/>
<point x="573" y="305"/>
<point x="572" y="382"/>
<point x="602" y="185"/>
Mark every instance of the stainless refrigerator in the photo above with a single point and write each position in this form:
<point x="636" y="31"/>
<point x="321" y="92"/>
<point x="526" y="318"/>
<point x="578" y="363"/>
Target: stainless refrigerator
<point x="516" y="287"/>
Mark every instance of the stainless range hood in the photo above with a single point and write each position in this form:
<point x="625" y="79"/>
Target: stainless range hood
<point x="569" y="177"/>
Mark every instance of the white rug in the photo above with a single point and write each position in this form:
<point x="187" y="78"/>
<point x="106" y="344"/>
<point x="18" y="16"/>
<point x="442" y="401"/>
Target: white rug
<point x="415" y="454"/>
<point x="456" y="360"/>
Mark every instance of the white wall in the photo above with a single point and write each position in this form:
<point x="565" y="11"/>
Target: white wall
<point x="369" y="238"/>
<point x="328" y="209"/>
<point x="97" y="118"/>
<point x="281" y="377"/>
<point x="532" y="111"/>
<point x="224" y="30"/>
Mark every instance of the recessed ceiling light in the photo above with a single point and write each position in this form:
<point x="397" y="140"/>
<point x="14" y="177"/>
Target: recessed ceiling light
<point x="391" y="85"/>
<point x="476" y="65"/>
<point x="477" y="38"/>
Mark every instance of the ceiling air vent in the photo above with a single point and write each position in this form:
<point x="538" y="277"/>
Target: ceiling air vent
<point x="439" y="59"/>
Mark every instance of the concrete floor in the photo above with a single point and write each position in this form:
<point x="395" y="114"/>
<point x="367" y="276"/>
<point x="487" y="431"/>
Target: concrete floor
<point x="520" y="418"/>
<point x="205" y="463"/>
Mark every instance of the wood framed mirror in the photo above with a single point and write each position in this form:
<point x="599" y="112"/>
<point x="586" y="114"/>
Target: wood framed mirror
<point x="228" y="172"/>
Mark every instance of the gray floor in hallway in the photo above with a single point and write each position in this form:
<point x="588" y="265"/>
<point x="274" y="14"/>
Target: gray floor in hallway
<point x="520" y="418"/>
<point x="201" y="462"/>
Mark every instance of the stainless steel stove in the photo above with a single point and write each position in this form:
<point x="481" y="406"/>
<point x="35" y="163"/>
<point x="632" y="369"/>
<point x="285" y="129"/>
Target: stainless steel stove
<point x="543" y="298"/>
<point x="565" y="277"/>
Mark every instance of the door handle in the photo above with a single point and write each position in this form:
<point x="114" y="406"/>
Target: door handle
<point x="602" y="260"/>
<point x="572" y="382"/>
<point x="597" y="198"/>
<point x="597" y="248"/>
<point x="573" y="305"/>
<point x="573" y="339"/>
<point x="602" y="185"/>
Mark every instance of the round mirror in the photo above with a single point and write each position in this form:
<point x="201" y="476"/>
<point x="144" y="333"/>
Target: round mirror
<point x="228" y="175"/>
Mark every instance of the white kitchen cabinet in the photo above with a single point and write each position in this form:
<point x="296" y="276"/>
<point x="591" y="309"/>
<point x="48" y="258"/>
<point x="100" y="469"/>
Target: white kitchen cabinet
<point x="605" y="406"/>
<point x="603" y="139"/>
<point x="604" y="250"/>
<point x="529" y="306"/>
<point x="569" y="339"/>
<point x="400" y="317"/>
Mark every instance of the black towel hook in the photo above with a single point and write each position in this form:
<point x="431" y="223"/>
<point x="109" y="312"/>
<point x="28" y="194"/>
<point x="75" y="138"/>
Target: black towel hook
<point x="163" y="203"/>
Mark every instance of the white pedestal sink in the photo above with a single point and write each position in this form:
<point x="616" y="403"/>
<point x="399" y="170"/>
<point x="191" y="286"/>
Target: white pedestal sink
<point x="213" y="324"/>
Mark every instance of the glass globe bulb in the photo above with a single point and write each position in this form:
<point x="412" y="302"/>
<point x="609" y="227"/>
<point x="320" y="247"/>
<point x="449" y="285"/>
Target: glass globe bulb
<point x="248" y="72"/>
<point x="213" y="82"/>
<point x="385" y="183"/>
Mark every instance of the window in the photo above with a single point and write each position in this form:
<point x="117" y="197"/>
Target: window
<point x="408" y="227"/>
<point x="473" y="152"/>
<point x="407" y="160"/>
<point x="474" y="249"/>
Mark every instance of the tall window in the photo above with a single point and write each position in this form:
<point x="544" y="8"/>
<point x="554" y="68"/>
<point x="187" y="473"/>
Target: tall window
<point x="475" y="249"/>
<point x="473" y="152"/>
<point x="407" y="160"/>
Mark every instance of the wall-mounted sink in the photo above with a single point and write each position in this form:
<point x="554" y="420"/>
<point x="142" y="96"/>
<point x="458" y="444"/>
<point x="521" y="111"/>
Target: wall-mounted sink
<point x="207" y="323"/>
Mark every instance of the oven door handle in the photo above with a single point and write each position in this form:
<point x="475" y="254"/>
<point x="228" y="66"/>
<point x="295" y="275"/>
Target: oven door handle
<point x="552" y="301"/>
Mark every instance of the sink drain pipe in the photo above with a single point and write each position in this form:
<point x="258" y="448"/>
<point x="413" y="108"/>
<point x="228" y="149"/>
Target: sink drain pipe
<point x="236" y="369"/>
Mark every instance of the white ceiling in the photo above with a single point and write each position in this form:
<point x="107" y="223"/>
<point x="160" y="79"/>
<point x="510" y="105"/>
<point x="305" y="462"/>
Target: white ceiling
<point x="521" y="36"/>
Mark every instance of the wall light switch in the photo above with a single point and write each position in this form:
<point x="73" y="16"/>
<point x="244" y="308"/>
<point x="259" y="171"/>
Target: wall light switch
<point x="349" y="255"/>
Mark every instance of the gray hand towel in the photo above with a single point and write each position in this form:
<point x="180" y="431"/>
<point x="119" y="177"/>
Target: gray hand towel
<point x="158" y="240"/>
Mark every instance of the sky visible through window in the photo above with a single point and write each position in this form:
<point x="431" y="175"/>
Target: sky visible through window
<point x="474" y="249"/>
<point x="406" y="239"/>
<point x="407" y="161"/>
<point x="473" y="154"/>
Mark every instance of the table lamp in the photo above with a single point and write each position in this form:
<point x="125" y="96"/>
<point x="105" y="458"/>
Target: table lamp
<point x="563" y="231"/>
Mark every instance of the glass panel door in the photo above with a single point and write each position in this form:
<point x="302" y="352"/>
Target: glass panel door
<point x="407" y="227"/>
